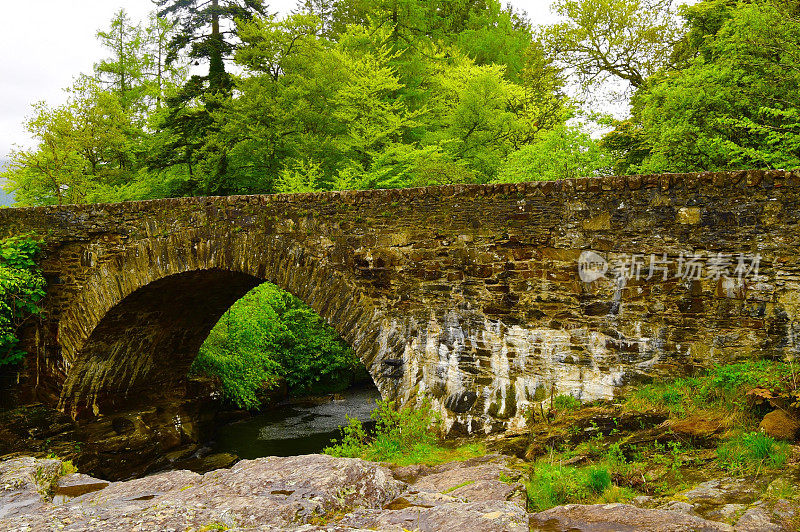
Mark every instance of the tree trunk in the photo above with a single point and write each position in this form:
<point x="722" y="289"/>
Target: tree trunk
<point x="216" y="71"/>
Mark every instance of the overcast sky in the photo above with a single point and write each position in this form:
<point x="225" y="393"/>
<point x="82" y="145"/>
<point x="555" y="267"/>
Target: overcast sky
<point x="44" y="44"/>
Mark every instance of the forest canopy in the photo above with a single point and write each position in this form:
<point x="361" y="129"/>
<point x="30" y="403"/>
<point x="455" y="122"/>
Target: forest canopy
<point x="225" y="98"/>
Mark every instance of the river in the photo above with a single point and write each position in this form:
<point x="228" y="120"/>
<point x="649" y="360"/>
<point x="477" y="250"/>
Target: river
<point x="295" y="428"/>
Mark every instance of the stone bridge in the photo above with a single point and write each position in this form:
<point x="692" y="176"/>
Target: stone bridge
<point x="471" y="295"/>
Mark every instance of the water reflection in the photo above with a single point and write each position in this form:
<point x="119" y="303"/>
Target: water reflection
<point x="295" y="429"/>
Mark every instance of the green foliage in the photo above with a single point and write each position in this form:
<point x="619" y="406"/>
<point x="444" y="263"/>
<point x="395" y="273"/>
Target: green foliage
<point x="731" y="102"/>
<point x="553" y="485"/>
<point x="625" y="39"/>
<point x="751" y="452"/>
<point x="269" y="335"/>
<point x="22" y="287"/>
<point x="94" y="148"/>
<point x="565" y="152"/>
<point x="566" y="403"/>
<point x="722" y="388"/>
<point x="401" y="435"/>
<point x="340" y="94"/>
<point x="598" y="479"/>
<point x="351" y="94"/>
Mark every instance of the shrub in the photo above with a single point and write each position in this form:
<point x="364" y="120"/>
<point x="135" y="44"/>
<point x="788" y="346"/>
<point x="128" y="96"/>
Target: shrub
<point x="400" y="433"/>
<point x="354" y="441"/>
<point x="566" y="403"/>
<point x="751" y="451"/>
<point x="598" y="479"/>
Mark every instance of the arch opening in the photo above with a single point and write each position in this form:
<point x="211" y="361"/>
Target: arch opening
<point x="143" y="348"/>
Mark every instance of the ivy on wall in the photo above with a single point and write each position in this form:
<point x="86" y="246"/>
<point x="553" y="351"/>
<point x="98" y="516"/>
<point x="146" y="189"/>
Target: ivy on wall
<point x="22" y="287"/>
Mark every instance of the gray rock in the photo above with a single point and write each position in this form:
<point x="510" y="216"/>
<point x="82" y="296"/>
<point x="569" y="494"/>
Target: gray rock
<point x="620" y="517"/>
<point x="473" y="517"/>
<point x="482" y="479"/>
<point x="679" y="506"/>
<point x="24" y="483"/>
<point x="757" y="520"/>
<point x="721" y="491"/>
<point x="785" y="510"/>
<point x="727" y="512"/>
<point x="268" y="492"/>
<point x="642" y="501"/>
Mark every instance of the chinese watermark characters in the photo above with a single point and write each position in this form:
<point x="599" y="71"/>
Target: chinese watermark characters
<point x="661" y="267"/>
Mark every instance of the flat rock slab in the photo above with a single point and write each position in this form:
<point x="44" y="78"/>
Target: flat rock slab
<point x="482" y="479"/>
<point x="24" y="482"/>
<point x="268" y="493"/>
<point x="78" y="484"/>
<point x="472" y="517"/>
<point x="620" y="518"/>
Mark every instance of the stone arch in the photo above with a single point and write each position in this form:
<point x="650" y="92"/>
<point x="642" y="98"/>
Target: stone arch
<point x="142" y="315"/>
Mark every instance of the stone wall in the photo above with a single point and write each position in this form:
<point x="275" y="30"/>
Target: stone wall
<point x="470" y="294"/>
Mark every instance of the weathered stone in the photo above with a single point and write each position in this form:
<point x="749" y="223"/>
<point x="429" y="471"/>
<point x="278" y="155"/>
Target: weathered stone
<point x="721" y="491"/>
<point x="757" y="520"/>
<point x="461" y="402"/>
<point x="482" y="479"/>
<point x="689" y="216"/>
<point x="282" y="493"/>
<point x="608" y="517"/>
<point x="680" y="507"/>
<point x="24" y="484"/>
<point x="477" y="517"/>
<point x="446" y="291"/>
<point x="780" y="426"/>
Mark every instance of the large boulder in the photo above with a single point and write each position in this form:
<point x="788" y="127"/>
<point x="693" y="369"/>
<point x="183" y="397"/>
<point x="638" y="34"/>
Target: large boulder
<point x="266" y="494"/>
<point x="25" y="483"/>
<point x="780" y="425"/>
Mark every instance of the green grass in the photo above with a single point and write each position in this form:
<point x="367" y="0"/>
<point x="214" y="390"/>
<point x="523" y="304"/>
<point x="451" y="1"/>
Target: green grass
<point x="722" y="392"/>
<point x="454" y="488"/>
<point x="751" y="452"/>
<point x="616" y="466"/>
<point x="554" y="484"/>
<point x="720" y="389"/>
<point x="566" y="403"/>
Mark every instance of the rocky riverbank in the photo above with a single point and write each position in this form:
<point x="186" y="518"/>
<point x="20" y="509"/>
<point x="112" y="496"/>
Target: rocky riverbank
<point x="127" y="444"/>
<point x="323" y="493"/>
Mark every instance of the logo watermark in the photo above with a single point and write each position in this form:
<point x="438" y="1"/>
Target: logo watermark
<point x="686" y="266"/>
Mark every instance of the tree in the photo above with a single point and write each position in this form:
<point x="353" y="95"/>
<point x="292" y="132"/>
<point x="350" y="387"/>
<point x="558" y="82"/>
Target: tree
<point x="202" y="30"/>
<point x="189" y="128"/>
<point x="84" y="148"/>
<point x="624" y="39"/>
<point x="270" y="334"/>
<point x="124" y="71"/>
<point x="565" y="152"/>
<point x="735" y="104"/>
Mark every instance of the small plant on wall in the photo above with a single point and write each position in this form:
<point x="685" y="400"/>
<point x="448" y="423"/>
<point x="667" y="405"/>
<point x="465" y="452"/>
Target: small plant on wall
<point x="22" y="287"/>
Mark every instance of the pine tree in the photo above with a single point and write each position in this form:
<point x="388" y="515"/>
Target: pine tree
<point x="203" y="32"/>
<point x="207" y="28"/>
